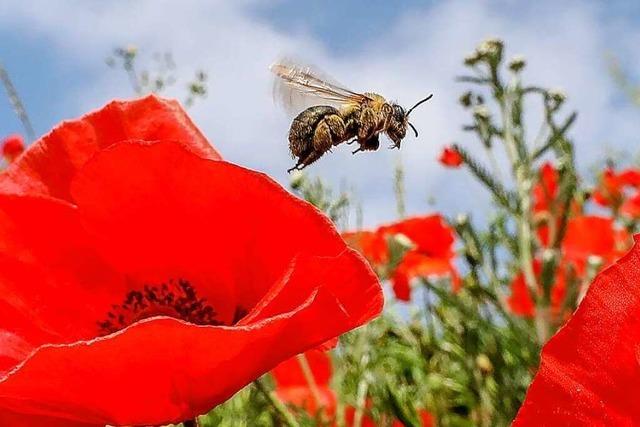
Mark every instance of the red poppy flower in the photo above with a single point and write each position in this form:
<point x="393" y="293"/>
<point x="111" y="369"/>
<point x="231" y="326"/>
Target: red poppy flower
<point x="293" y="387"/>
<point x="520" y="302"/>
<point x="371" y="244"/>
<point x="12" y="147"/>
<point x="157" y="282"/>
<point x="612" y="186"/>
<point x="589" y="370"/>
<point x="432" y="255"/>
<point x="593" y="235"/>
<point x="545" y="191"/>
<point x="450" y="157"/>
<point x="631" y="206"/>
<point x="350" y="418"/>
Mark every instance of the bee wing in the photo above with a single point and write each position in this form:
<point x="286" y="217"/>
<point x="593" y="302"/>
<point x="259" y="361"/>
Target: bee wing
<point x="297" y="87"/>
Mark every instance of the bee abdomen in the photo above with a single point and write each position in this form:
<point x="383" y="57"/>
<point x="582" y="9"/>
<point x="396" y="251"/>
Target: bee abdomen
<point x="303" y="128"/>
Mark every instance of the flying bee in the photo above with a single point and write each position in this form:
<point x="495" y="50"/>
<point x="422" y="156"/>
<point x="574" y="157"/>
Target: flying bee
<point x="347" y="116"/>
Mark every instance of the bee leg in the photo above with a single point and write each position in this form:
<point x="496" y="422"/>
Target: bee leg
<point x="306" y="161"/>
<point x="322" y="138"/>
<point x="357" y="149"/>
<point x="296" y="166"/>
<point x="321" y="143"/>
<point x="336" y="127"/>
<point x="371" y="144"/>
<point x="368" y="125"/>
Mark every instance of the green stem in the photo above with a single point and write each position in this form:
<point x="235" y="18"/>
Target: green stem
<point x="522" y="172"/>
<point x="311" y="381"/>
<point x="17" y="104"/>
<point x="363" y="387"/>
<point x="399" y="188"/>
<point x="280" y="408"/>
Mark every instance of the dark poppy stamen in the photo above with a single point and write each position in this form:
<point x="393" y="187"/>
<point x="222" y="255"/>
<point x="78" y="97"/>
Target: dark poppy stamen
<point x="176" y="299"/>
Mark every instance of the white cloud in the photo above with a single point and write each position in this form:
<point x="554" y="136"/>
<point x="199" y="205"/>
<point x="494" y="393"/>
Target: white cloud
<point x="565" y="46"/>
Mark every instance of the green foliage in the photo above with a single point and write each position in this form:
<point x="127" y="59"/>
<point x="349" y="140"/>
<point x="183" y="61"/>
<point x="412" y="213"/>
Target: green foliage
<point x="158" y="76"/>
<point x="316" y="192"/>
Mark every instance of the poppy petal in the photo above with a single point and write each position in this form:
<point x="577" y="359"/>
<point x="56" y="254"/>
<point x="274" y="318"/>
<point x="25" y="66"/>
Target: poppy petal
<point x="49" y="165"/>
<point x="46" y="256"/>
<point x="590" y="368"/>
<point x="182" y="370"/>
<point x="338" y="276"/>
<point x="8" y="418"/>
<point x="154" y="222"/>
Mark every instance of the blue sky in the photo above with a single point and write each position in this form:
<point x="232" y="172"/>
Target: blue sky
<point x="55" y="56"/>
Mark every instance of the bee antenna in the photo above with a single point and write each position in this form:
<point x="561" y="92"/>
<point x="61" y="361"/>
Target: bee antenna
<point x="414" y="129"/>
<point x="418" y="103"/>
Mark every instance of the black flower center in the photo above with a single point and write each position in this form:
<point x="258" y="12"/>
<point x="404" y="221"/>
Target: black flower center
<point x="176" y="299"/>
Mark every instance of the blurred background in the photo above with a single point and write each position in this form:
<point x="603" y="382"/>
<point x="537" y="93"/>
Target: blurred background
<point x="57" y="58"/>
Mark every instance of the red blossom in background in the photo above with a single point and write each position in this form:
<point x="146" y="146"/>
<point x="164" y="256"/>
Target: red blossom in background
<point x="371" y="244"/>
<point x="593" y="235"/>
<point x="12" y="147"/>
<point x="432" y="252"/>
<point x="294" y="388"/>
<point x="520" y="301"/>
<point x="631" y="206"/>
<point x="613" y="187"/>
<point x="589" y="370"/>
<point x="586" y="236"/>
<point x="133" y="263"/>
<point x="545" y="191"/>
<point x="432" y="255"/>
<point x="545" y="194"/>
<point x="450" y="157"/>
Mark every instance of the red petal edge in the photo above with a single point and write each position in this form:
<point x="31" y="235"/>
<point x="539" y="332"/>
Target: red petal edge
<point x="49" y="165"/>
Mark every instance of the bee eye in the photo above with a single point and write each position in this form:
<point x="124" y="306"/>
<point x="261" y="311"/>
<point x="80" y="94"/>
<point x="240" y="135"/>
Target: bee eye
<point x="398" y="113"/>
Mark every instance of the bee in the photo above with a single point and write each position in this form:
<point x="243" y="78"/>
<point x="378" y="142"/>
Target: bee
<point x="348" y="116"/>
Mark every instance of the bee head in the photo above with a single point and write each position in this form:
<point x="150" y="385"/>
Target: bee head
<point x="399" y="120"/>
<point x="397" y="125"/>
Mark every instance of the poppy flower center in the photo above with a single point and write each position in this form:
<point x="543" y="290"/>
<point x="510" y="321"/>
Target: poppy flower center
<point x="177" y="299"/>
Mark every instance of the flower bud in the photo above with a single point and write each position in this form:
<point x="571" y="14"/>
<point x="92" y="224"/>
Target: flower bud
<point x="517" y="63"/>
<point x="472" y="59"/>
<point x="462" y="219"/>
<point x="491" y="49"/>
<point x="484" y="363"/>
<point x="12" y="146"/>
<point x="465" y="99"/>
<point x="557" y="96"/>
<point x="481" y="113"/>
